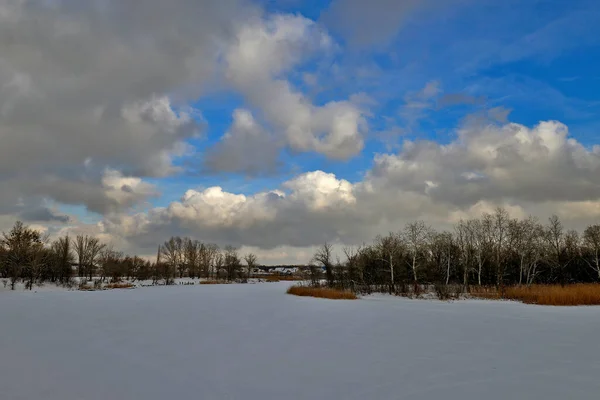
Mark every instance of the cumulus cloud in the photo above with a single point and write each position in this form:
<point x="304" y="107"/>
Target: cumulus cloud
<point x="508" y="162"/>
<point x="125" y="191"/>
<point x="309" y="203"/>
<point x="96" y="85"/>
<point x="264" y="51"/>
<point x="539" y="170"/>
<point x="320" y="191"/>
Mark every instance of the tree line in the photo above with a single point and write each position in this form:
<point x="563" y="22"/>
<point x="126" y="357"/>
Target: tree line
<point x="28" y="256"/>
<point x="186" y="257"/>
<point x="493" y="249"/>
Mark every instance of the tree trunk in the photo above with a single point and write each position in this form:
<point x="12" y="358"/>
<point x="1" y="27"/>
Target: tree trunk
<point x="521" y="272"/>
<point x="598" y="265"/>
<point x="329" y="274"/>
<point x="466" y="274"/>
<point x="414" y="267"/>
<point x="391" y="274"/>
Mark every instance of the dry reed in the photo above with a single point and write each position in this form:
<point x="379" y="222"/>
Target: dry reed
<point x="278" y="278"/>
<point x="549" y="295"/>
<point x="125" y="285"/>
<point x="324" y="293"/>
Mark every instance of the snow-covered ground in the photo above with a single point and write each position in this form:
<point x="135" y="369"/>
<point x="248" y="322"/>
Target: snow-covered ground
<point x="256" y="342"/>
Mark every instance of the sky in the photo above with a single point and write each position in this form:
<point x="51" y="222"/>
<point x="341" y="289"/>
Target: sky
<point x="276" y="126"/>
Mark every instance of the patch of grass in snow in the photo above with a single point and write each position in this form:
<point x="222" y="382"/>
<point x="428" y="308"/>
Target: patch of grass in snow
<point x="86" y="287"/>
<point x="320" y="292"/>
<point x="122" y="285"/>
<point x="278" y="278"/>
<point x="549" y="295"/>
<point x="214" y="282"/>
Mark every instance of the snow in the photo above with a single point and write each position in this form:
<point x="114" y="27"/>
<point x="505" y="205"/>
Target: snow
<point x="256" y="342"/>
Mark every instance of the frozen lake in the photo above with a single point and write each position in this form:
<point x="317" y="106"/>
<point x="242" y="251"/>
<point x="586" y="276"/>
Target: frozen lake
<point x="256" y="342"/>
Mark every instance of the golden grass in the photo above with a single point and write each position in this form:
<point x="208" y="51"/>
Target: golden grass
<point x="125" y="285"/>
<point x="278" y="278"/>
<point x="323" y="293"/>
<point x="214" y="282"/>
<point x="549" y="295"/>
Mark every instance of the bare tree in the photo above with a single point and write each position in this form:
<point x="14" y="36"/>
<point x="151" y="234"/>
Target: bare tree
<point x="389" y="248"/>
<point x="591" y="241"/>
<point x="354" y="264"/>
<point x="572" y="252"/>
<point x="250" y="259"/>
<point x="87" y="249"/>
<point x="465" y="241"/>
<point x="111" y="264"/>
<point x="442" y="249"/>
<point x="415" y="236"/>
<point x="37" y="260"/>
<point x="482" y="239"/>
<point x="207" y="254"/>
<point x="138" y="268"/>
<point x="232" y="262"/>
<point x="19" y="246"/>
<point x="501" y="220"/>
<point x="191" y="255"/>
<point x="323" y="256"/>
<point x="172" y="253"/>
<point x="79" y="246"/>
<point x="63" y="259"/>
<point x="524" y="241"/>
<point x="555" y="239"/>
<point x="218" y="263"/>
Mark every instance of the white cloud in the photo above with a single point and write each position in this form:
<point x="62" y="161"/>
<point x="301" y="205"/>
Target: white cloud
<point x="105" y="86"/>
<point x="126" y="191"/>
<point x="256" y="65"/>
<point x="495" y="165"/>
<point x="102" y="85"/>
<point x="499" y="163"/>
<point x="320" y="191"/>
<point x="215" y="208"/>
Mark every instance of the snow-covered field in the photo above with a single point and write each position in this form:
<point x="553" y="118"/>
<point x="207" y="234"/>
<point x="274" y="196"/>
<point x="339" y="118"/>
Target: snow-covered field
<point x="256" y="342"/>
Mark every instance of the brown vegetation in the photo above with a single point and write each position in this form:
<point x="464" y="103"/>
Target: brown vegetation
<point x="550" y="295"/>
<point x="278" y="278"/>
<point x="125" y="285"/>
<point x="321" y="292"/>
<point x="214" y="282"/>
